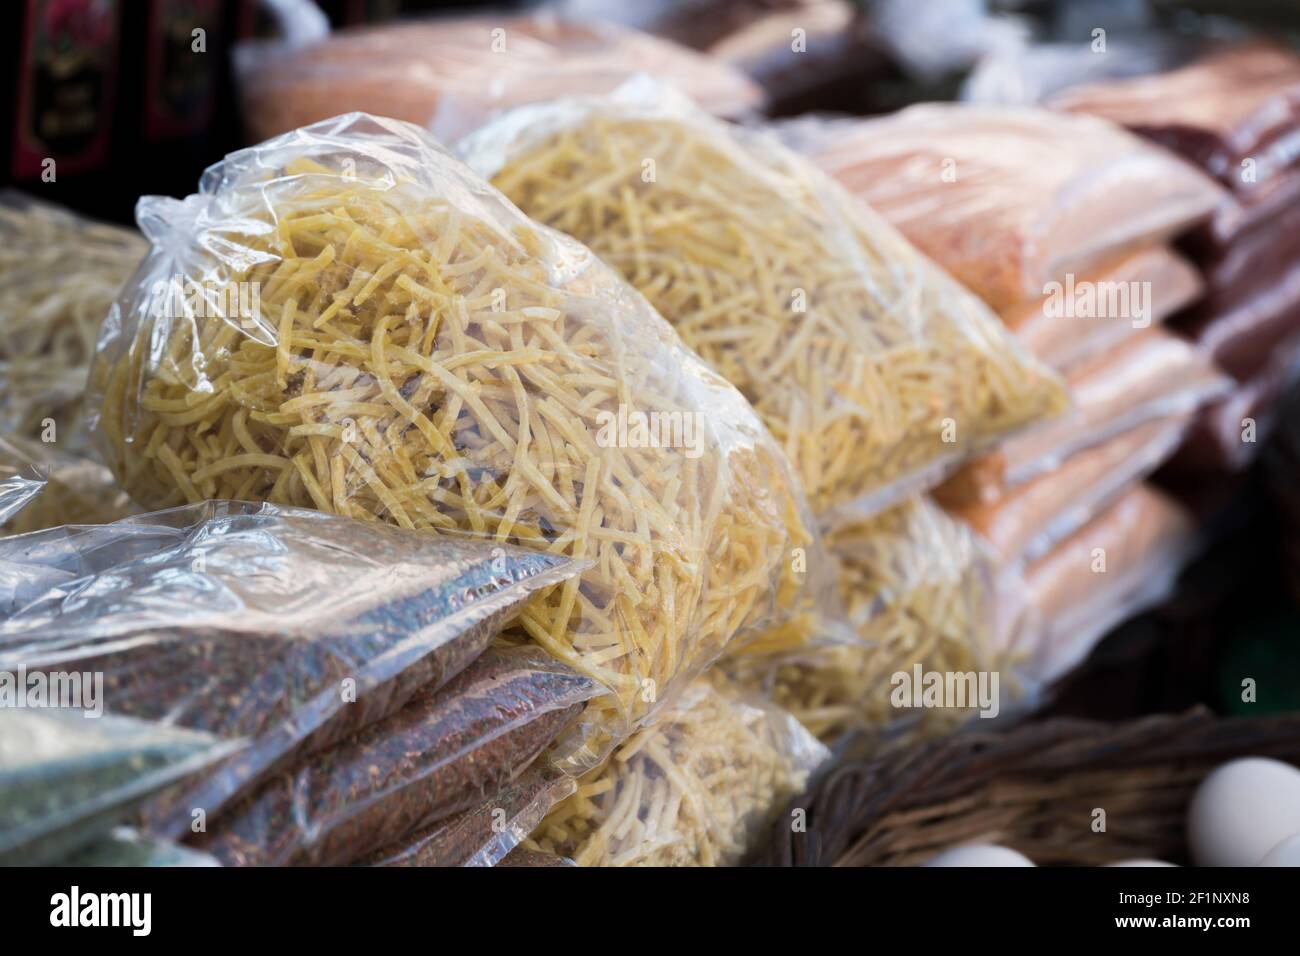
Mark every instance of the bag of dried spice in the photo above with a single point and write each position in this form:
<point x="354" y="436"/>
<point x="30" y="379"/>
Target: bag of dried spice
<point x="289" y="628"/>
<point x="692" y="790"/>
<point x="445" y="751"/>
<point x="65" y="780"/>
<point x="488" y="834"/>
<point x="387" y="337"/>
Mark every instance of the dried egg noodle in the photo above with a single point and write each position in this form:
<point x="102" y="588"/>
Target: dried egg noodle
<point x="695" y="789"/>
<point x="918" y="587"/>
<point x="426" y="355"/>
<point x="59" y="274"/>
<point x="872" y="367"/>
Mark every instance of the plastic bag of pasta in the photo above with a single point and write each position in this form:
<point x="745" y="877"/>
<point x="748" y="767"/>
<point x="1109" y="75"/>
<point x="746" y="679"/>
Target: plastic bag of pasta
<point x="66" y="780"/>
<point x="385" y="336"/>
<point x="59" y="273"/>
<point x="287" y="628"/>
<point x="76" y="491"/>
<point x="874" y="369"/>
<point x="21" y="480"/>
<point x="694" y="789"/>
<point x="920" y="591"/>
<point x="445" y="751"/>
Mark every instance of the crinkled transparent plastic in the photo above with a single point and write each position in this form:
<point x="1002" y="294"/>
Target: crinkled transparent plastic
<point x="444" y="752"/>
<point x="874" y="370"/>
<point x="1009" y="199"/>
<point x="1065" y="340"/>
<point x="21" y="480"/>
<point x="1124" y="561"/>
<point x="425" y="355"/>
<point x="920" y="589"/>
<point x="125" y="846"/>
<point x="694" y="789"/>
<point x="77" y="490"/>
<point x="66" y="778"/>
<point x="488" y="833"/>
<point x="59" y="273"/>
<point x="1153" y="375"/>
<point x="288" y="628"/>
<point x="1034" y="516"/>
<point x="452" y="74"/>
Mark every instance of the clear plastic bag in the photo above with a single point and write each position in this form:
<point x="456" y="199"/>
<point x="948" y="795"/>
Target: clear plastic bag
<point x="76" y="490"/>
<point x="694" y="789"/>
<point x="127" y="847"/>
<point x="874" y="370"/>
<point x="1034" y="516"/>
<point x="288" y="628"/>
<point x="59" y="273"/>
<point x="67" y="778"/>
<point x="489" y="833"/>
<point x="1153" y="375"/>
<point x="21" y="480"/>
<point x="452" y="74"/>
<point x="1010" y="199"/>
<point x="1124" y="561"/>
<point x="1237" y="105"/>
<point x="919" y="589"/>
<point x="1065" y="341"/>
<point x="444" y="752"/>
<point x="423" y="354"/>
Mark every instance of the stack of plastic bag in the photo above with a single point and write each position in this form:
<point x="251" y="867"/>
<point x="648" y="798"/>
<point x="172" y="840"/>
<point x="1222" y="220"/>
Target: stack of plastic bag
<point x="1235" y="114"/>
<point x="1063" y="225"/>
<point x="342" y="669"/>
<point x="877" y="372"/>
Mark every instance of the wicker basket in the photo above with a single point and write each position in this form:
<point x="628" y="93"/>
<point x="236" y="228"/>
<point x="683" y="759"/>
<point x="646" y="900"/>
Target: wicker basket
<point x="1034" y="788"/>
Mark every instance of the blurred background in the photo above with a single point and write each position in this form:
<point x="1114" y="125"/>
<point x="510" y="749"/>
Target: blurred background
<point x="105" y="100"/>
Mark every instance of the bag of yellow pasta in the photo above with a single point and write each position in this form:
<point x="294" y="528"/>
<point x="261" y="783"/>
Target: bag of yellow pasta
<point x="874" y="369"/>
<point x="921" y="592"/>
<point x="347" y="318"/>
<point x="695" y="789"/>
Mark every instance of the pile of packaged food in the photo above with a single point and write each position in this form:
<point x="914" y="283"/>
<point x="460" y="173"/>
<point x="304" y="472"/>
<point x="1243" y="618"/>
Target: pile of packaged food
<point x="567" y="492"/>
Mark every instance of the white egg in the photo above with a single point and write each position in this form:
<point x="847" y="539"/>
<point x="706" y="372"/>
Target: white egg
<point x="1286" y="853"/>
<point x="1141" y="863"/>
<point x="980" y="854"/>
<point x="1242" y="810"/>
